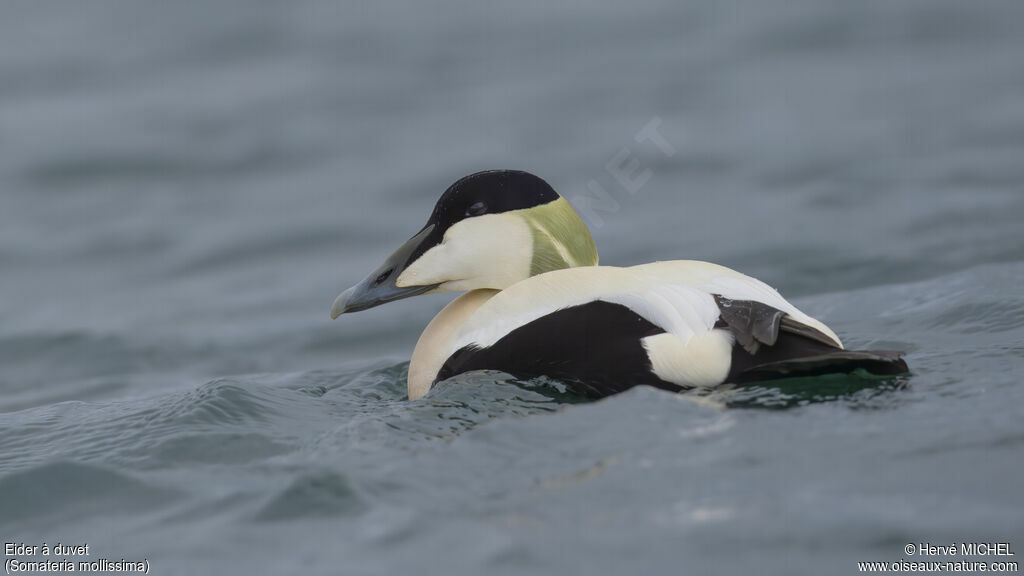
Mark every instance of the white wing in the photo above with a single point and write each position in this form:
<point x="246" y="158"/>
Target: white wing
<point x="715" y="279"/>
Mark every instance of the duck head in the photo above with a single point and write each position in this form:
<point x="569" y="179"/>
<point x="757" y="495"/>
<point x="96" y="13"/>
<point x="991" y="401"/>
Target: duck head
<point x="488" y="230"/>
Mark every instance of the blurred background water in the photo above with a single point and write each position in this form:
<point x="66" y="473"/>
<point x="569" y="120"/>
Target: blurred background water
<point x="185" y="187"/>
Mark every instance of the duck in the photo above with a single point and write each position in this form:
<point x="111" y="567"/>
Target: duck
<point x="536" y="303"/>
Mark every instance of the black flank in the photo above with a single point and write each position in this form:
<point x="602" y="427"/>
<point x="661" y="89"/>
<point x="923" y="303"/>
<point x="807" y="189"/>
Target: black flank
<point x="594" y="348"/>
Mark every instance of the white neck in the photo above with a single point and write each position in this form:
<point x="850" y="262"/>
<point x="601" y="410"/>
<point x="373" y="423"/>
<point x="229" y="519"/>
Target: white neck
<point x="434" y="344"/>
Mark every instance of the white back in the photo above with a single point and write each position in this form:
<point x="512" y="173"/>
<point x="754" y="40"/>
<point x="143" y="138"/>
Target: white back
<point x="675" y="295"/>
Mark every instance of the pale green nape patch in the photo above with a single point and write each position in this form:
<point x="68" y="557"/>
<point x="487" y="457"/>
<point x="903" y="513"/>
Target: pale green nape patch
<point x="560" y="238"/>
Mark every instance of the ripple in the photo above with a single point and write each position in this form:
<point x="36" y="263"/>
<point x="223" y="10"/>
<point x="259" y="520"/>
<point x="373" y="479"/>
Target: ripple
<point x="222" y="448"/>
<point x="855" y="389"/>
<point x="69" y="488"/>
<point x="322" y="493"/>
<point x="984" y="316"/>
<point x="45" y="368"/>
<point x="222" y="401"/>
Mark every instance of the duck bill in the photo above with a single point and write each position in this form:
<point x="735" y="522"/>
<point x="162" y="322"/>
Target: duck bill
<point x="379" y="287"/>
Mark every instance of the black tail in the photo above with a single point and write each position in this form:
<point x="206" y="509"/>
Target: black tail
<point x="834" y="361"/>
<point x="769" y="345"/>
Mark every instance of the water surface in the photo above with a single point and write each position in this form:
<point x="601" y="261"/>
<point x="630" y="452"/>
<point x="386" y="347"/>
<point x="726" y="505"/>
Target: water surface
<point x="185" y="188"/>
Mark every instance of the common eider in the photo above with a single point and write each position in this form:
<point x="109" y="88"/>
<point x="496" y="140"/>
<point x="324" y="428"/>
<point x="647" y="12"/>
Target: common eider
<point x="537" y="304"/>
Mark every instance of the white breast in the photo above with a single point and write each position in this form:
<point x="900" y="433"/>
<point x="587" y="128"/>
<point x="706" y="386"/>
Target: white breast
<point x="435" y="343"/>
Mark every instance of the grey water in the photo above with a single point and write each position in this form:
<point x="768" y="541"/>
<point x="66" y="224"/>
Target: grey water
<point x="185" y="187"/>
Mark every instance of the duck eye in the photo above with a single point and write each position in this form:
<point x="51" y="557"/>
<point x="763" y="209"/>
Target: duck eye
<point x="476" y="209"/>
